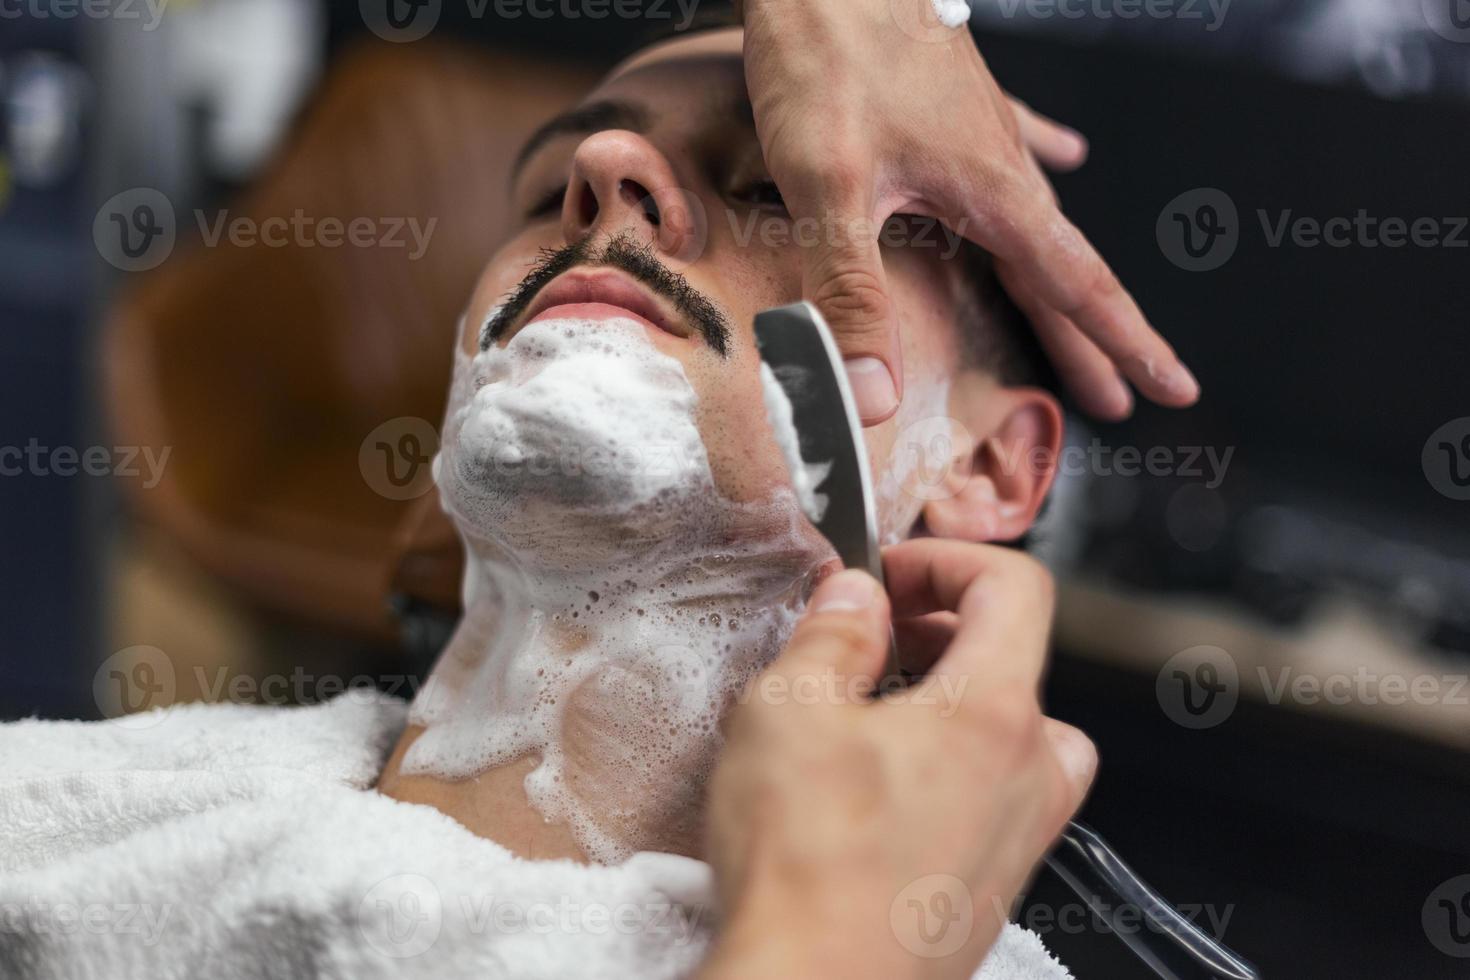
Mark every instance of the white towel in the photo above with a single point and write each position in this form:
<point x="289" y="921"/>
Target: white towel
<point x="227" y="841"/>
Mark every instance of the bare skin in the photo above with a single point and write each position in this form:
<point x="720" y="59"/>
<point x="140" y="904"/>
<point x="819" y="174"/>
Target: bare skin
<point x="492" y="805"/>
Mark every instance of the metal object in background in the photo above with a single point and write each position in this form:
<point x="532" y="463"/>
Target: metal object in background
<point x="1172" y="946"/>
<point x="1392" y="48"/>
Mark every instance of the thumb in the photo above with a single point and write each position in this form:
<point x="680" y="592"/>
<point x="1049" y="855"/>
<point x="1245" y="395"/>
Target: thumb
<point x="844" y="631"/>
<point x="1077" y="757"/>
<point x="843" y="276"/>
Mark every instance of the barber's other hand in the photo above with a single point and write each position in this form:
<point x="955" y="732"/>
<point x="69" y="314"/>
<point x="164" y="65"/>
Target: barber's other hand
<point x="830" y="811"/>
<point x="861" y="119"/>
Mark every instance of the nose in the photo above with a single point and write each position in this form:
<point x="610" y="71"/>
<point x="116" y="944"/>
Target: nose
<point x="621" y="182"/>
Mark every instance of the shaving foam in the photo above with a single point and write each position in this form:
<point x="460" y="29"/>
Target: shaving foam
<point x="898" y="509"/>
<point x="952" y="13"/>
<point x="615" y="602"/>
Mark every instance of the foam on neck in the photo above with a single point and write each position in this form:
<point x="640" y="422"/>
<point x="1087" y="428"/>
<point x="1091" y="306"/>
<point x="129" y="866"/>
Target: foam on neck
<point x="614" y="601"/>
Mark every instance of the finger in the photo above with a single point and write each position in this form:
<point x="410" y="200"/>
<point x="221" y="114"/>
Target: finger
<point x="922" y="640"/>
<point x="844" y="631"/>
<point x="1004" y="599"/>
<point x="927" y="575"/>
<point x="842" y="274"/>
<point x="1057" y="146"/>
<point x="1005" y="622"/>
<point x="1054" y="262"/>
<point x="1051" y="261"/>
<point x="1064" y="779"/>
<point x="1078" y="758"/>
<point x="1083" y="368"/>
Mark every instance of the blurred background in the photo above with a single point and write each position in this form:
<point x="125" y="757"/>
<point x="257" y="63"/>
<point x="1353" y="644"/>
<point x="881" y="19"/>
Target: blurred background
<point x="235" y="236"/>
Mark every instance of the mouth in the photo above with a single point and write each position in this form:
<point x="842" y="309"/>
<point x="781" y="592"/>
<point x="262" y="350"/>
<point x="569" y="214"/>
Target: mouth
<point x="601" y="294"/>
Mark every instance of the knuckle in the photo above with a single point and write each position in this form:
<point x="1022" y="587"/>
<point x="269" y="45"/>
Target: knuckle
<point x="825" y="644"/>
<point x="1011" y="717"/>
<point x="1010" y="182"/>
<point x="1034" y="577"/>
<point x="856" y="299"/>
<point x="1056" y="804"/>
<point x="845" y="180"/>
<point x="1098" y="284"/>
<point x="1020" y="574"/>
<point x="829" y="168"/>
<point x="844" y="634"/>
<point x="831" y="630"/>
<point x="994" y="183"/>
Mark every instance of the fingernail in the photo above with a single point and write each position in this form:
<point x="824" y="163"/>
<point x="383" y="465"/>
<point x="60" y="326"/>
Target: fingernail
<point x="872" y="388"/>
<point x="1124" y="395"/>
<point x="1183" y="383"/>
<point x="1079" y="143"/>
<point x="1174" y="377"/>
<point x="1077" y="755"/>
<point x="847" y="591"/>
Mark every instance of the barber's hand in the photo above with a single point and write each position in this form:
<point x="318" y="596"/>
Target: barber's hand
<point x="829" y="811"/>
<point x="860" y="119"/>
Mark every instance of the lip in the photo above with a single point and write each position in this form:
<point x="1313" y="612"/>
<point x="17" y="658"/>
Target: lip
<point x="600" y="294"/>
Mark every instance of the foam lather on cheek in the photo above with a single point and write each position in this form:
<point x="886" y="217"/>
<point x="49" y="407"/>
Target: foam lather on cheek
<point x="615" y="602"/>
<point x="805" y="477"/>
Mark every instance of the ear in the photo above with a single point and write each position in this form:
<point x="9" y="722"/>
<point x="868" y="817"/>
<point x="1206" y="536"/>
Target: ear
<point x="995" y="493"/>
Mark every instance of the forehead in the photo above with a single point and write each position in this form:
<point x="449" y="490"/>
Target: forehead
<point x="705" y="62"/>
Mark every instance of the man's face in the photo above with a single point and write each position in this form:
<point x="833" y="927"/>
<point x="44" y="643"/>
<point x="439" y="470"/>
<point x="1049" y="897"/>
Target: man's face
<point x="653" y="196"/>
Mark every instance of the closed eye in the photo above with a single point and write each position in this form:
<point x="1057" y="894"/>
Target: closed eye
<point x="548" y="205"/>
<point x="763" y="194"/>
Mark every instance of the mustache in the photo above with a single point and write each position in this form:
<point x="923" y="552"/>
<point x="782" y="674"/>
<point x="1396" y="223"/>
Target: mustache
<point x="627" y="254"/>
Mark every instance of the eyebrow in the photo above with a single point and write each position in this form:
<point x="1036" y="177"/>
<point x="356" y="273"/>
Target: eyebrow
<point x="589" y="118"/>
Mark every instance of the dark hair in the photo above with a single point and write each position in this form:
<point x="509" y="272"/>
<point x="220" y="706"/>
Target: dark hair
<point x="708" y="17"/>
<point x="994" y="334"/>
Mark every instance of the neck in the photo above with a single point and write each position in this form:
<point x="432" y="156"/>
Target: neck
<point x="576" y="710"/>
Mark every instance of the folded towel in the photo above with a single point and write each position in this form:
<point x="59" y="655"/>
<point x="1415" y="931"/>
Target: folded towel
<point x="234" y="841"/>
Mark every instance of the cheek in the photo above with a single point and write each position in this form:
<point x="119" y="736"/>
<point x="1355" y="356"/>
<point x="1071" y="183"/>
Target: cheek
<point x="924" y="291"/>
<point x="744" y="459"/>
<point x="746" y="273"/>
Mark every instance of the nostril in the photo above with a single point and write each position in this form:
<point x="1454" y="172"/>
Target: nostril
<point x="587" y="206"/>
<point x="636" y="195"/>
